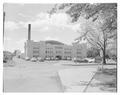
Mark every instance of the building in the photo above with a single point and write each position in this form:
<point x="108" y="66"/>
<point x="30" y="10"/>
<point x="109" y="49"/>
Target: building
<point x="53" y="49"/>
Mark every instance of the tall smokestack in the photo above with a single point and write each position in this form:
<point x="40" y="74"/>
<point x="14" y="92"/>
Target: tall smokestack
<point x="29" y="31"/>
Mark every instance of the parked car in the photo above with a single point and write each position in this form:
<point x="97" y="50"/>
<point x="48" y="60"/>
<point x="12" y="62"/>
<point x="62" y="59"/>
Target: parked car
<point x="52" y="58"/>
<point x="83" y="61"/>
<point x="47" y="58"/>
<point x="74" y="59"/>
<point x="33" y="59"/>
<point x="56" y="58"/>
<point x="80" y="60"/>
<point x="40" y="59"/>
<point x="27" y="58"/>
<point x="90" y="60"/>
<point x="68" y="58"/>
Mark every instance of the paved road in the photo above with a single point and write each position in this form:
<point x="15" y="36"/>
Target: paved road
<point x="34" y="76"/>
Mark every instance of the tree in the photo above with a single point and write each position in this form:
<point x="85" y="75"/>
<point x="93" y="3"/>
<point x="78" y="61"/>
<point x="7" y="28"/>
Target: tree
<point x="93" y="52"/>
<point x="95" y="36"/>
<point x="103" y="25"/>
<point x="7" y="56"/>
<point x="16" y="52"/>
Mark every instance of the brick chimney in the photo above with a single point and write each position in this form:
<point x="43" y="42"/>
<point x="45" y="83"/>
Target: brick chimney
<point x="29" y="31"/>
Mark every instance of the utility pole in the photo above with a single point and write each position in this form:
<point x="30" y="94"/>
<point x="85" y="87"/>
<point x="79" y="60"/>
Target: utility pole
<point x="3" y="24"/>
<point x="3" y="38"/>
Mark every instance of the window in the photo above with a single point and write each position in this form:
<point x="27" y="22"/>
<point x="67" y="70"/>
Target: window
<point x="78" y="49"/>
<point x="58" y="47"/>
<point x="35" y="47"/>
<point x="67" y="52"/>
<point x="78" y="56"/>
<point x="35" y="51"/>
<point x="48" y="51"/>
<point x="35" y="55"/>
<point x="67" y="49"/>
<point x="78" y="52"/>
<point x="58" y="52"/>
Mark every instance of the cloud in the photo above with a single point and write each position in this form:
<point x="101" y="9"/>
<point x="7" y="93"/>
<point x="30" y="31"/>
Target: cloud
<point x="51" y="38"/>
<point x="24" y="15"/>
<point x="42" y="20"/>
<point x="21" y="41"/>
<point x="42" y="16"/>
<point x="7" y="39"/>
<point x="45" y="28"/>
<point x="11" y="25"/>
<point x="57" y="18"/>
<point x="20" y="44"/>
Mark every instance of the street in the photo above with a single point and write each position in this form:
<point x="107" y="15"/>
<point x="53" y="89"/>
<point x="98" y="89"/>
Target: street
<point x="28" y="76"/>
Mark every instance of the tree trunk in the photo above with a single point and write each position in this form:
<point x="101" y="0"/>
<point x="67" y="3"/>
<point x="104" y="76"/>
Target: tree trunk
<point x="104" y="59"/>
<point x="104" y="52"/>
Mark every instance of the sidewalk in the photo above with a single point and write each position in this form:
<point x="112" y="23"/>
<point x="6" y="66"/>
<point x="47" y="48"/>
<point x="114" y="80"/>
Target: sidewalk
<point x="72" y="63"/>
<point x="75" y="80"/>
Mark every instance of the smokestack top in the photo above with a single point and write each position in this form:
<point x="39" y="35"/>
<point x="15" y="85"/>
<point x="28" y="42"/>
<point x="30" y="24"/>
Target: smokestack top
<point x="29" y="31"/>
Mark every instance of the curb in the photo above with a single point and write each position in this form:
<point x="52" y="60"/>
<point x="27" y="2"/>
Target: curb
<point x="59" y="80"/>
<point x="85" y="64"/>
<point x="66" y="88"/>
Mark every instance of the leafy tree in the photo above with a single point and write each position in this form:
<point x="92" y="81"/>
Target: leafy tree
<point x="101" y="25"/>
<point x="7" y="56"/>
<point x="93" y="52"/>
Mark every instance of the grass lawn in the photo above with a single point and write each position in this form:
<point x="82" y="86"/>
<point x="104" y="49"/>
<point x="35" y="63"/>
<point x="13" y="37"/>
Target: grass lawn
<point x="10" y="63"/>
<point x="108" y="79"/>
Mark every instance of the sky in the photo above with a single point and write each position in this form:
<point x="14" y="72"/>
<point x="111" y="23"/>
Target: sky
<point x="43" y="27"/>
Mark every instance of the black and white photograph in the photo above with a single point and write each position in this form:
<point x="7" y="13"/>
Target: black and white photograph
<point x="60" y="47"/>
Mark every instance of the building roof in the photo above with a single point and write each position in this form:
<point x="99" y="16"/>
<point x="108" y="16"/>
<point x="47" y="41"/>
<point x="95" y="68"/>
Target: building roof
<point x="54" y="42"/>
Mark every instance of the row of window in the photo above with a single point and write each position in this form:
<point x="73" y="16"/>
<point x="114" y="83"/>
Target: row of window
<point x="49" y="48"/>
<point x="57" y="47"/>
<point x="67" y="56"/>
<point x="67" y="49"/>
<point x="79" y="49"/>
<point x="68" y="52"/>
<point x="58" y="52"/>
<point x="36" y="51"/>
<point x="79" y="56"/>
<point x="35" y="55"/>
<point x="48" y="51"/>
<point x="78" y="52"/>
<point x="50" y="56"/>
<point x="35" y="47"/>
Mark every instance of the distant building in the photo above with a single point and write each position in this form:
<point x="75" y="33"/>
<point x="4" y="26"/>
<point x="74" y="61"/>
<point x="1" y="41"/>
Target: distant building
<point x="53" y="49"/>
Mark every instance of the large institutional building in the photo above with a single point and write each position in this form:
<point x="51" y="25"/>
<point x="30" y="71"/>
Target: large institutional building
<point x="53" y="49"/>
